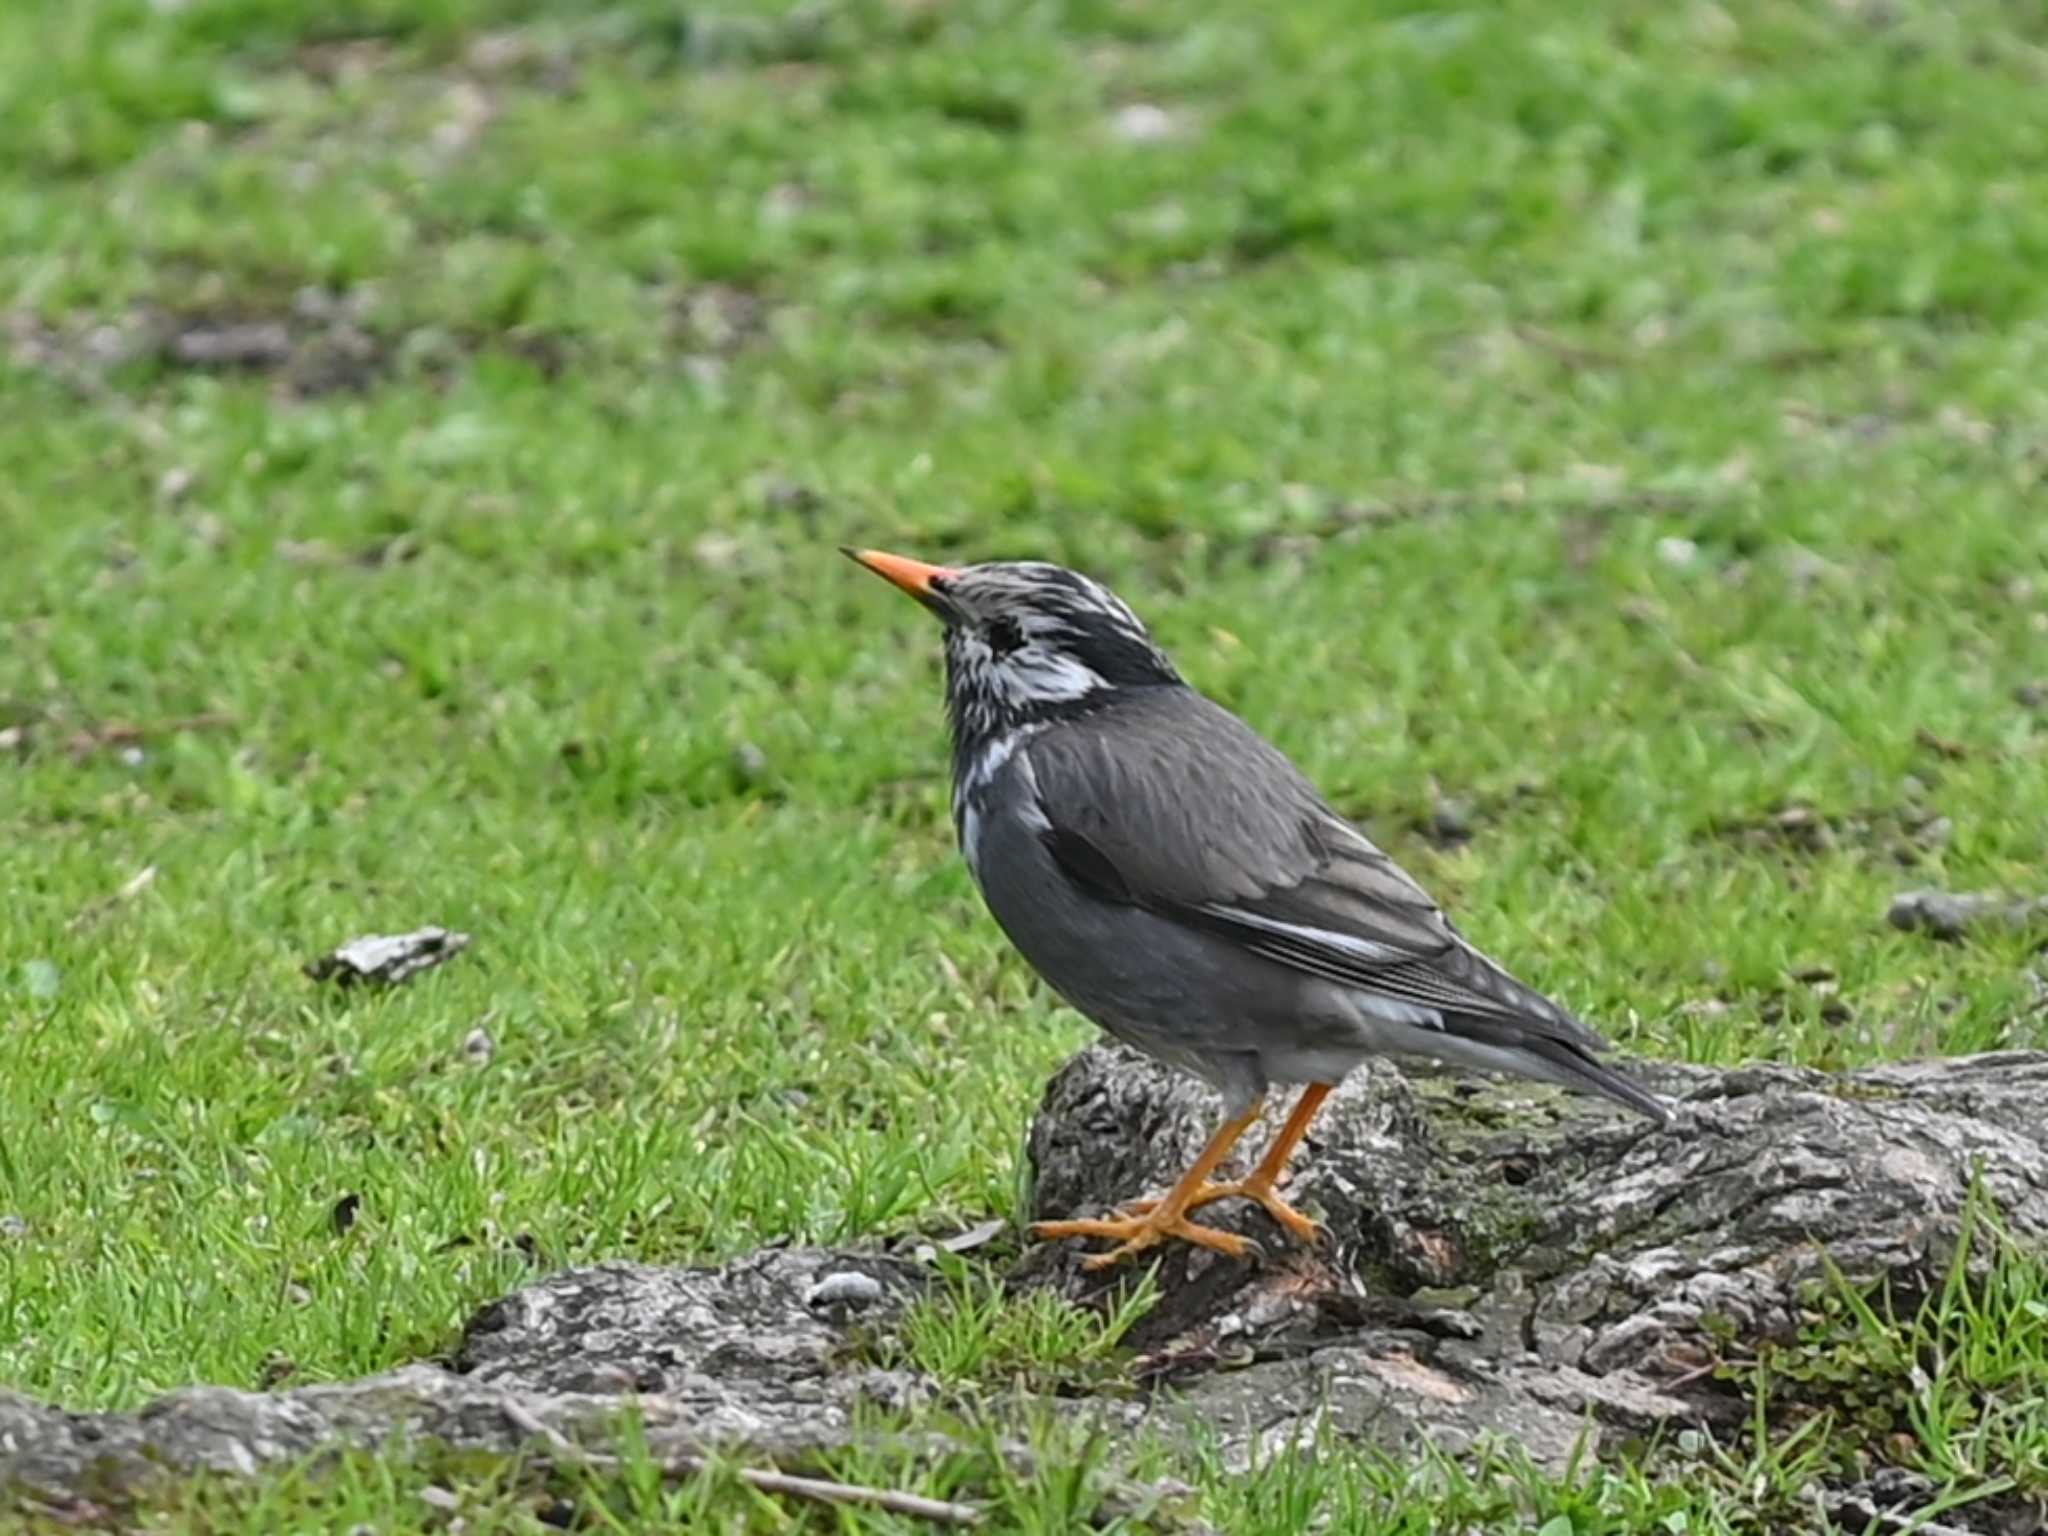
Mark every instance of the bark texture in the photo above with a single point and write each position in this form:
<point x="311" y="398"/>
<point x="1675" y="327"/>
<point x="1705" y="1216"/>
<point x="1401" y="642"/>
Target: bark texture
<point x="750" y="1354"/>
<point x="1506" y="1260"/>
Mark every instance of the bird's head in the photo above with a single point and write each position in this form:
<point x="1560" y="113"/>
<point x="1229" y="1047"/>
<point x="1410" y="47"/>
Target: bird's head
<point x="1026" y="641"/>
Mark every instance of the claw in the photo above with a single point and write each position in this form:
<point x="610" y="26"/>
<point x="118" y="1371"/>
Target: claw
<point x="1149" y="1223"/>
<point x="1304" y="1229"/>
<point x="1136" y="1233"/>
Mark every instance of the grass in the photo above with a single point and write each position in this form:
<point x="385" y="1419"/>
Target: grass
<point x="1962" y="1376"/>
<point x="1623" y="424"/>
<point x="974" y="1331"/>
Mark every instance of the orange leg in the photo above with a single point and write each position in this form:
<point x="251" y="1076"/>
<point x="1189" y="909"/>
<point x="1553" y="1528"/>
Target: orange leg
<point x="1160" y="1219"/>
<point x="1263" y="1183"/>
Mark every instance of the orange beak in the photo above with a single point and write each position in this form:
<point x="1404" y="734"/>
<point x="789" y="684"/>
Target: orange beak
<point x="912" y="576"/>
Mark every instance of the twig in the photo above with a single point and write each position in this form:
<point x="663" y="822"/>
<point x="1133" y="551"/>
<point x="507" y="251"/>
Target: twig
<point x="133" y="887"/>
<point x="938" y="1511"/>
<point x="122" y="733"/>
<point x="1571" y="353"/>
<point x="1700" y="1372"/>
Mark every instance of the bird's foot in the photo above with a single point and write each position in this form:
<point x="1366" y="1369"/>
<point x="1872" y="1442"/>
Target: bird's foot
<point x="1304" y="1229"/>
<point x="1135" y="1233"/>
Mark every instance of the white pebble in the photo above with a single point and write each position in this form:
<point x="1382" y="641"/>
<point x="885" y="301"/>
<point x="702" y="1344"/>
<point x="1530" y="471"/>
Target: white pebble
<point x="1677" y="553"/>
<point x="1143" y="123"/>
<point x="846" y="1287"/>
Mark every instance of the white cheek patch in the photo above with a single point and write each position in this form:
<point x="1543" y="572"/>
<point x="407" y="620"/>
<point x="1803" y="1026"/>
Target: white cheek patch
<point x="1035" y="675"/>
<point x="1041" y="670"/>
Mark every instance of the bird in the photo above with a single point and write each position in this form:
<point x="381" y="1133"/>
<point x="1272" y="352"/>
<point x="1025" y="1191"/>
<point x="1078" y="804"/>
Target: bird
<point x="1175" y="878"/>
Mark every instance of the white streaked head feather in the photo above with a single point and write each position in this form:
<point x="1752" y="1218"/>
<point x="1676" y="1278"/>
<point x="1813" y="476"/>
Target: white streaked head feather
<point x="1036" y="672"/>
<point x="1026" y="640"/>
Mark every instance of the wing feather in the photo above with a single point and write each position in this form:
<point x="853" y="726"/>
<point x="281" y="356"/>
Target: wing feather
<point x="1169" y="802"/>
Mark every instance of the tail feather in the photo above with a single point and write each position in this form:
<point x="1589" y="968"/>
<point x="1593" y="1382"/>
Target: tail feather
<point x="1547" y="1058"/>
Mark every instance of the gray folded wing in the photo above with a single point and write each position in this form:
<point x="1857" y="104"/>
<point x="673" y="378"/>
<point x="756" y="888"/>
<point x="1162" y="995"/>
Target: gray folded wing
<point x="1169" y="802"/>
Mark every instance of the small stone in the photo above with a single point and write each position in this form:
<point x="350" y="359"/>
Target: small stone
<point x="306" y="552"/>
<point x="1265" y="1309"/>
<point x="499" y="53"/>
<point x="108" y="344"/>
<point x="749" y="764"/>
<point x="1677" y="553"/>
<point x="1957" y="422"/>
<point x="784" y="202"/>
<point x="1805" y="828"/>
<point x="248" y="344"/>
<point x="1450" y="821"/>
<point x="478" y="1046"/>
<point x="1935" y="833"/>
<point x="436" y="1497"/>
<point x="847" y="1287"/>
<point x="13" y="1228"/>
<point x="717" y="551"/>
<point x="1143" y="123"/>
<point x="173" y="485"/>
<point x="779" y="493"/>
<point x="1804" y="567"/>
<point x="1951" y="914"/>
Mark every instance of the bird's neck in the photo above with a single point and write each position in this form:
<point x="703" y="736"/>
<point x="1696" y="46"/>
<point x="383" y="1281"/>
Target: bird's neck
<point x="978" y="761"/>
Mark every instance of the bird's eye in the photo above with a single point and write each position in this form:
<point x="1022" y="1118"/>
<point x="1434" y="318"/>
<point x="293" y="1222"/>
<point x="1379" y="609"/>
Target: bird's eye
<point x="1003" y="636"/>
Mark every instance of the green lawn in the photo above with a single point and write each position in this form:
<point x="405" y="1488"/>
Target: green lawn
<point x="429" y="426"/>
